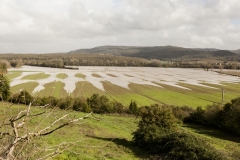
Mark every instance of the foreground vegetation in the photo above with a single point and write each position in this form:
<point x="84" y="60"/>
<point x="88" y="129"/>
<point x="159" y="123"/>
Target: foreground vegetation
<point x="110" y="136"/>
<point x="58" y="129"/>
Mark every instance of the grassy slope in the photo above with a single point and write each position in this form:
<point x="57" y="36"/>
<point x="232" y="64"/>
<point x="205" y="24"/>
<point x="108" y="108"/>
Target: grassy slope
<point x="110" y="138"/>
<point x="62" y="75"/>
<point x="36" y="76"/>
<point x="228" y="144"/>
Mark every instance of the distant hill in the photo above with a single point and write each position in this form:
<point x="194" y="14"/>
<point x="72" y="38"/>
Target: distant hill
<point x="207" y="49"/>
<point x="236" y="51"/>
<point x="161" y="52"/>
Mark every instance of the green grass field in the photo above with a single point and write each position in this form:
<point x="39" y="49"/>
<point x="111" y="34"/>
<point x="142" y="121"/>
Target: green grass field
<point x="110" y="137"/>
<point x="55" y="89"/>
<point x="28" y="86"/>
<point x="13" y="75"/>
<point x="62" y="75"/>
<point x="86" y="89"/>
<point x="107" y="138"/>
<point x="143" y="94"/>
<point x="125" y="96"/>
<point x="225" y="143"/>
<point x="36" y="76"/>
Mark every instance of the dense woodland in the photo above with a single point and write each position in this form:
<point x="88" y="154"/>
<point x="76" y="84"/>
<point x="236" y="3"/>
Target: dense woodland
<point x="62" y="60"/>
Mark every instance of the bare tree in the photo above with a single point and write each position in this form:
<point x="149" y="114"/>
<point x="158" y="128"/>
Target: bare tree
<point x="20" y="141"/>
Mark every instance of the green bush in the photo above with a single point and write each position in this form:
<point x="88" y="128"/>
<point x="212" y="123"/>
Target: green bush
<point x="155" y="122"/>
<point x="65" y="103"/>
<point x="4" y="88"/>
<point x="196" y="117"/>
<point x="80" y="104"/>
<point x="226" y="118"/>
<point x="184" y="146"/>
<point x="158" y="133"/>
<point x="100" y="104"/>
<point x="133" y="109"/>
<point x="23" y="97"/>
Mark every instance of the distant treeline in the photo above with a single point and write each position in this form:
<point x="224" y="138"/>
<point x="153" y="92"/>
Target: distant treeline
<point x="61" y="60"/>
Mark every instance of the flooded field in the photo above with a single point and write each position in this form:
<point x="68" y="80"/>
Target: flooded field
<point x="145" y="85"/>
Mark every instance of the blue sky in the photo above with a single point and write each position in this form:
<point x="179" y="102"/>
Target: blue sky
<point x="40" y="26"/>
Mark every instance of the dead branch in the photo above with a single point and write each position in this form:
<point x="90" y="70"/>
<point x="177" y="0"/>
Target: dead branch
<point x="19" y="140"/>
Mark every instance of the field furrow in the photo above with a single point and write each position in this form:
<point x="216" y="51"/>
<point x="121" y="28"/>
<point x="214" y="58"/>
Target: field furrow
<point x="80" y="75"/>
<point x="124" y="95"/>
<point x="62" y="75"/>
<point x="55" y="89"/>
<point x="28" y="86"/>
<point x="86" y="89"/>
<point x="168" y="95"/>
<point x="13" y="75"/>
<point x="142" y="84"/>
<point x="36" y="76"/>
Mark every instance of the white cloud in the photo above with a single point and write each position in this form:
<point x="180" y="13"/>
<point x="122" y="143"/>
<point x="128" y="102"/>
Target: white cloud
<point x="64" y="25"/>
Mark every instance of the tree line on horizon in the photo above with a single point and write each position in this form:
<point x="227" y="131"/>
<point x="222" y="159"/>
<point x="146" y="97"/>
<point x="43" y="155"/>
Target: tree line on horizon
<point x="62" y="60"/>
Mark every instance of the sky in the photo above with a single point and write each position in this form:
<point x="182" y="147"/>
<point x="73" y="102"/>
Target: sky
<point x="46" y="26"/>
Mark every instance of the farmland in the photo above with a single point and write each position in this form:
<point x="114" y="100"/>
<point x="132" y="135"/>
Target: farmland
<point x="192" y="87"/>
<point x="36" y="76"/>
<point x="62" y="75"/>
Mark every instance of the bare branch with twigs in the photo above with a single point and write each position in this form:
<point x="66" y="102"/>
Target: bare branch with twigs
<point x="18" y="135"/>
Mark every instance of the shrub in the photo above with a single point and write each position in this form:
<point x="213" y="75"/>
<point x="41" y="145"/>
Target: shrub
<point x="196" y="117"/>
<point x="182" y="145"/>
<point x="225" y="118"/>
<point x="4" y="88"/>
<point x="181" y="112"/>
<point x="133" y="108"/>
<point x="65" y="103"/>
<point x="158" y="133"/>
<point x="80" y="104"/>
<point x="155" y="122"/>
<point x="99" y="104"/>
<point x="23" y="97"/>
